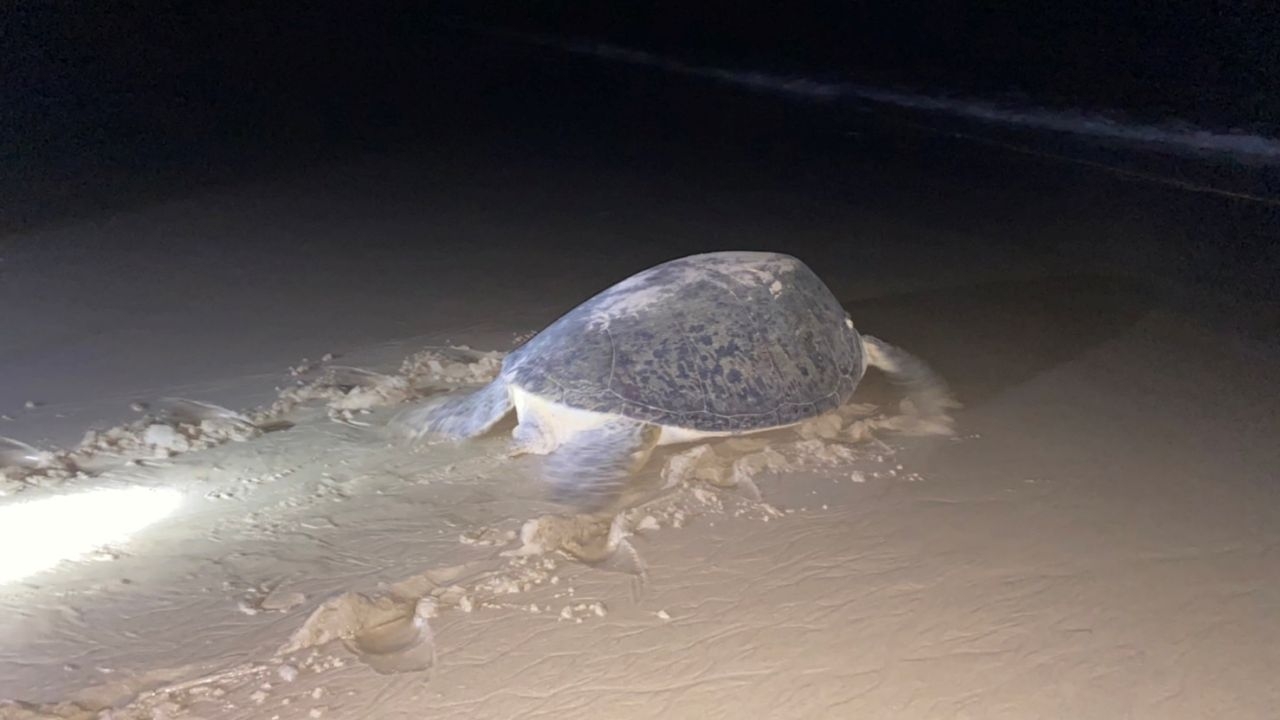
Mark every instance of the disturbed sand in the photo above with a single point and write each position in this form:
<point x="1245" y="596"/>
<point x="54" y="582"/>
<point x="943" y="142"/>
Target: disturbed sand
<point x="1096" y="540"/>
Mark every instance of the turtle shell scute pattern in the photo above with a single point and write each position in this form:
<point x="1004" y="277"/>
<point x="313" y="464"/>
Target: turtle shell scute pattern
<point x="723" y="342"/>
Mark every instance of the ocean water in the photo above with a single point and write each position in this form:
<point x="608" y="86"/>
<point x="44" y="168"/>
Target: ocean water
<point x="1174" y="134"/>
<point x="1210" y="64"/>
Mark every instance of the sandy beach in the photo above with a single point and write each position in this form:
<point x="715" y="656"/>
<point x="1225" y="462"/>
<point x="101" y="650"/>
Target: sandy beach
<point x="1096" y="540"/>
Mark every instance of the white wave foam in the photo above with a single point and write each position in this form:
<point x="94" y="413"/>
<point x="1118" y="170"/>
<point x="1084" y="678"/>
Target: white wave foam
<point x="1081" y="123"/>
<point x="1176" y="136"/>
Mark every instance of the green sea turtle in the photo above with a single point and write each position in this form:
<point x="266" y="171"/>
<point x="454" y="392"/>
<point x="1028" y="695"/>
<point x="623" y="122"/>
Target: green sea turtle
<point x="724" y="343"/>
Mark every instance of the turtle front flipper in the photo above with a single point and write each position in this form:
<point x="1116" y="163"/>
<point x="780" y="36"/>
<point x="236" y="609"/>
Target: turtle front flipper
<point x="531" y="436"/>
<point x="593" y="466"/>
<point x="458" y="416"/>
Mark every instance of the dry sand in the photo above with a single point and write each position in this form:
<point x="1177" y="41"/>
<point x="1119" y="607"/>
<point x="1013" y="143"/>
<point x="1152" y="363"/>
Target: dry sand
<point x="1097" y="540"/>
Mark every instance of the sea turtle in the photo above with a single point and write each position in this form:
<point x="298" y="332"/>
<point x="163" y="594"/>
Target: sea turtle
<point x="723" y="343"/>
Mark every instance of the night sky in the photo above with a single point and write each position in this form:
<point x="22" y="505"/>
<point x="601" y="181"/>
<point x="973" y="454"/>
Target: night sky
<point x="114" y="103"/>
<point x="1207" y="61"/>
<point x="260" y="66"/>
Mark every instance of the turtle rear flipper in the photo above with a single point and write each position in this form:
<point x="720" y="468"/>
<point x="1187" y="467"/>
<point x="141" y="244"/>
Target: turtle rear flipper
<point x="458" y="416"/>
<point x="927" y="391"/>
<point x="592" y="467"/>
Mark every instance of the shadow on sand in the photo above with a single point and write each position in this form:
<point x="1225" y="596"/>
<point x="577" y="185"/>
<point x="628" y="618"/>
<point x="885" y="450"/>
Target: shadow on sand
<point x="989" y="337"/>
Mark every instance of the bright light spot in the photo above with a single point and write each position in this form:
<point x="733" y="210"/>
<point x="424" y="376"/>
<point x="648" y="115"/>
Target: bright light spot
<point x="38" y="534"/>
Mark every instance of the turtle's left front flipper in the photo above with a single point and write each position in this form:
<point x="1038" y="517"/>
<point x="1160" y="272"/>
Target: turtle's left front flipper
<point x="591" y="468"/>
<point x="458" y="416"/>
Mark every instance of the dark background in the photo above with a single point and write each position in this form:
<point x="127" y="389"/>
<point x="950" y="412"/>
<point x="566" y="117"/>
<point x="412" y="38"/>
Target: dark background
<point x="112" y="105"/>
<point x="341" y="69"/>
<point x="1211" y="62"/>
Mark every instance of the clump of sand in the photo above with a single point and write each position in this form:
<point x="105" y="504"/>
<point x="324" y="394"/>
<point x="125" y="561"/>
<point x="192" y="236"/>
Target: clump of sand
<point x="827" y="441"/>
<point x="348" y="392"/>
<point x="17" y="710"/>
<point x="595" y="540"/>
<point x="389" y="633"/>
<point x="451" y="366"/>
<point x="184" y="426"/>
<point x="22" y="465"/>
<point x="180" y="425"/>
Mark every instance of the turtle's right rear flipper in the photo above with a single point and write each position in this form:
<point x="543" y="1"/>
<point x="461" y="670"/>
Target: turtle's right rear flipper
<point x="593" y="467"/>
<point x="928" y="392"/>
<point x="459" y="415"/>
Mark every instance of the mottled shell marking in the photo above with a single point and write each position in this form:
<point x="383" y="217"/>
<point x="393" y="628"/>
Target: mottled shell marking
<point x="721" y="342"/>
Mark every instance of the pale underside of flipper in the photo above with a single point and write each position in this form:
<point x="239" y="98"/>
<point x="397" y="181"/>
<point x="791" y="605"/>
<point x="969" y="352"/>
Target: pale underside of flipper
<point x="591" y="468"/>
<point x="531" y="435"/>
<point x="459" y="416"/>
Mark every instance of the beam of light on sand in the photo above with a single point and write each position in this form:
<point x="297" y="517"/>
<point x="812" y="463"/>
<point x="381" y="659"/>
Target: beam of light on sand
<point x="38" y="534"/>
